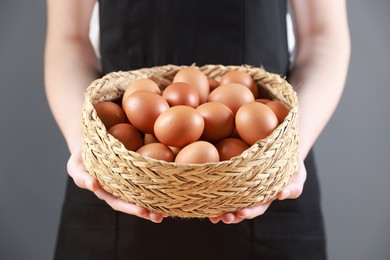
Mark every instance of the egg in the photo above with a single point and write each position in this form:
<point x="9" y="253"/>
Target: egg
<point x="198" y="152"/>
<point x="175" y="150"/>
<point x="128" y="135"/>
<point x="142" y="109"/>
<point x="218" y="121"/>
<point x="157" y="151"/>
<point x="280" y="110"/>
<point x="181" y="93"/>
<point x="233" y="95"/>
<point x="241" y="77"/>
<point x="213" y="84"/>
<point x="262" y="100"/>
<point x="150" y="138"/>
<point x="141" y="84"/>
<point x="255" y="121"/>
<point x="230" y="147"/>
<point x="110" y="113"/>
<point x="179" y="126"/>
<point x="193" y="76"/>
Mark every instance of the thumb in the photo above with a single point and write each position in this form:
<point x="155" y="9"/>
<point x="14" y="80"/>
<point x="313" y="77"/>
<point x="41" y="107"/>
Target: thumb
<point x="80" y="176"/>
<point x="295" y="188"/>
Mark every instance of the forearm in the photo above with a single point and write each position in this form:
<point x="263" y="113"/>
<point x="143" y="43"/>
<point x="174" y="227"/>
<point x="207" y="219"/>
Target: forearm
<point x="69" y="69"/>
<point x="70" y="63"/>
<point x="319" y="73"/>
<point x="319" y="77"/>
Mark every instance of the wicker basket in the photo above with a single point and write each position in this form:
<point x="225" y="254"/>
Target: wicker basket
<point x="190" y="191"/>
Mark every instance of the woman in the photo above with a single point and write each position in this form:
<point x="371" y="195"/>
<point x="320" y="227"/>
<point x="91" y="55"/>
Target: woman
<point x="135" y="34"/>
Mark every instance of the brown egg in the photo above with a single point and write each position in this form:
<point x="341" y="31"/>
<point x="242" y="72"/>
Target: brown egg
<point x="255" y="121"/>
<point x="193" y="76"/>
<point x="198" y="152"/>
<point x="110" y="113"/>
<point x="179" y="126"/>
<point x="141" y="84"/>
<point x="157" y="151"/>
<point x="218" y="121"/>
<point x="175" y="150"/>
<point x="230" y="147"/>
<point x="181" y="93"/>
<point x="233" y="95"/>
<point x="280" y="110"/>
<point x="262" y="100"/>
<point x="150" y="138"/>
<point x="142" y="109"/>
<point x="128" y="135"/>
<point x="240" y="77"/>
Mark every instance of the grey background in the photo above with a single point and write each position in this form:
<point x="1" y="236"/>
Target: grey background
<point x="353" y="153"/>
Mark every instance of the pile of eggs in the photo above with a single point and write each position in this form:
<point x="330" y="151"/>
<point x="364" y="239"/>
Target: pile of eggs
<point x="194" y="120"/>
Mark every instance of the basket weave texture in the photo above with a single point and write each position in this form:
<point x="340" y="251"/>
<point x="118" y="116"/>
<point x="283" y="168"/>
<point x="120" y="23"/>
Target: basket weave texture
<point x="195" y="190"/>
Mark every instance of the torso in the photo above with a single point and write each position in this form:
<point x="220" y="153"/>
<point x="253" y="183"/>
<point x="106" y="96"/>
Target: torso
<point x="145" y="33"/>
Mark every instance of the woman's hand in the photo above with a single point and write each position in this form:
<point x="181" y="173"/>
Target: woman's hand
<point x="242" y="214"/>
<point x="85" y="181"/>
<point x="292" y="191"/>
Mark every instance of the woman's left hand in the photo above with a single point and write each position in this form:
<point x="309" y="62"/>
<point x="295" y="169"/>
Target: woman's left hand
<point x="292" y="191"/>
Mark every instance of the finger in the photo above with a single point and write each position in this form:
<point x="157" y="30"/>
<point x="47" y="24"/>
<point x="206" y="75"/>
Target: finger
<point x="155" y="217"/>
<point x="231" y="218"/>
<point x="294" y="189"/>
<point x="121" y="205"/>
<point x="80" y="176"/>
<point x="227" y="218"/>
<point x="85" y="181"/>
<point x="240" y="215"/>
<point x="252" y="212"/>
<point x="128" y="208"/>
<point x="215" y="220"/>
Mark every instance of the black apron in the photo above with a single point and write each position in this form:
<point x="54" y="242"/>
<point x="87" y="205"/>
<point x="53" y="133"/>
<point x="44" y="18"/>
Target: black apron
<point x="145" y="33"/>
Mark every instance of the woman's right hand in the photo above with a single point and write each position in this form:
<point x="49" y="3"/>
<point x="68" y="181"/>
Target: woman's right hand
<point x="84" y="180"/>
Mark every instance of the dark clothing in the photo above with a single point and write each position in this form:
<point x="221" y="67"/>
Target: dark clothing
<point x="139" y="33"/>
<point x="291" y="229"/>
<point x="145" y="33"/>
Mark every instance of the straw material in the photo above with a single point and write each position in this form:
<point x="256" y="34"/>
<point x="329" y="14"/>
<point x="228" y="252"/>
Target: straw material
<point x="196" y="190"/>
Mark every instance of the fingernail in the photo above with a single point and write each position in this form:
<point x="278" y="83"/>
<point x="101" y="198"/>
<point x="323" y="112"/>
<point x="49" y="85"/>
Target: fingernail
<point x="286" y="194"/>
<point x="215" y="220"/>
<point x="228" y="218"/>
<point x="241" y="214"/>
<point x="89" y="185"/>
<point x="156" y="218"/>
